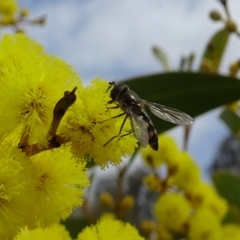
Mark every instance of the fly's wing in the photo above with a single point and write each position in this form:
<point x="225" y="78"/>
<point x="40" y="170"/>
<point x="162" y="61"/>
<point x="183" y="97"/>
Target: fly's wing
<point x="139" y="127"/>
<point x="169" y="114"/>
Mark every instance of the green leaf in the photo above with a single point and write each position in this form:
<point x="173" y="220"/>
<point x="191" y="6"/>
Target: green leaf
<point x="75" y="225"/>
<point x="161" y="56"/>
<point x="228" y="186"/>
<point x="191" y="59"/>
<point x="215" y="48"/>
<point x="193" y="93"/>
<point x="232" y="216"/>
<point x="231" y="119"/>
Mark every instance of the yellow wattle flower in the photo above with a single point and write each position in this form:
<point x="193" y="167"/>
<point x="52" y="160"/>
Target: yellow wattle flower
<point x="60" y="183"/>
<point x="110" y="228"/>
<point x="172" y="210"/>
<point x="8" y="7"/>
<point x="84" y="125"/>
<point x="204" y="225"/>
<point x="31" y="86"/>
<point x="17" y="193"/>
<point x="204" y="195"/>
<point x="166" y="152"/>
<point x="153" y="182"/>
<point x="16" y="46"/>
<point x="54" y="232"/>
<point x="184" y="171"/>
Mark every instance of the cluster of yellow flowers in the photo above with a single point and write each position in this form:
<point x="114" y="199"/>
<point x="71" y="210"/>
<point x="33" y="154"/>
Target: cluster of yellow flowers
<point x="46" y="141"/>
<point x="8" y="9"/>
<point x="51" y="125"/>
<point x="106" y="228"/>
<point x="41" y="182"/>
<point x="186" y="206"/>
<point x="13" y="17"/>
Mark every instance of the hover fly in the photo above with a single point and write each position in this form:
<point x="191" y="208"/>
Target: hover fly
<point x="142" y="126"/>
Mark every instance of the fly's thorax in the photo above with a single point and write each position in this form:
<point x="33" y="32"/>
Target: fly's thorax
<point x="130" y="101"/>
<point x="130" y="98"/>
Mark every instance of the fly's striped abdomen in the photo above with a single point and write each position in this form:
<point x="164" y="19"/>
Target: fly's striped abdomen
<point x="153" y="138"/>
<point x="152" y="134"/>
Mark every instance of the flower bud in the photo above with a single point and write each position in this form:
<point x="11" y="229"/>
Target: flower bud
<point x="231" y="26"/>
<point x="127" y="203"/>
<point x="24" y="12"/>
<point x="215" y="15"/>
<point x="233" y="69"/>
<point x="107" y="200"/>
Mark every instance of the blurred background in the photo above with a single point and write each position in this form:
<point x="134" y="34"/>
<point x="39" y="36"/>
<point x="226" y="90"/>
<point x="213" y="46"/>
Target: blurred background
<point x="113" y="40"/>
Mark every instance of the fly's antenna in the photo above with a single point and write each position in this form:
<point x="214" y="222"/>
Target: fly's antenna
<point x="111" y="84"/>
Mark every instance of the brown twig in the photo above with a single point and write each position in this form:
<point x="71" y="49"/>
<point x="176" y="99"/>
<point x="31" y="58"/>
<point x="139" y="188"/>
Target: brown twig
<point x="87" y="212"/>
<point x="60" y="109"/>
<point x="187" y="130"/>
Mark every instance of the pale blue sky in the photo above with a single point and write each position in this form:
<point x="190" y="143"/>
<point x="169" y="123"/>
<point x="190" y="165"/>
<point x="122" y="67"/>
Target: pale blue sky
<point x="113" y="39"/>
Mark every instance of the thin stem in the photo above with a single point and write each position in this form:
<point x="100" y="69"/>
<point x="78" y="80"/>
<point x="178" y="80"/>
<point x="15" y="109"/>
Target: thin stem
<point x="225" y="5"/>
<point x="120" y="180"/>
<point x="87" y="212"/>
<point x="34" y="149"/>
<point x="187" y="130"/>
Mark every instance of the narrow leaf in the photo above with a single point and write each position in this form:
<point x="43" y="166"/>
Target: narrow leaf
<point x="215" y="48"/>
<point x="161" y="56"/>
<point x="231" y="119"/>
<point x="228" y="186"/>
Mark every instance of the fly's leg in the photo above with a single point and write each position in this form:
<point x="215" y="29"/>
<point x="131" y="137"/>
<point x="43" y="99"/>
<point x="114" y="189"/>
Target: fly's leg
<point x="115" y="107"/>
<point x="126" y="134"/>
<point x="119" y="130"/>
<point x="119" y="115"/>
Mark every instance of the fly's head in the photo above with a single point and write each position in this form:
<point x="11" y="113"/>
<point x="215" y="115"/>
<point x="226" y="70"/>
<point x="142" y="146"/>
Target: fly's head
<point x="117" y="90"/>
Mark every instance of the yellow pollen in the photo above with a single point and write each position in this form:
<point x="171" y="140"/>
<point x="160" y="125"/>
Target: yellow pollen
<point x="3" y="195"/>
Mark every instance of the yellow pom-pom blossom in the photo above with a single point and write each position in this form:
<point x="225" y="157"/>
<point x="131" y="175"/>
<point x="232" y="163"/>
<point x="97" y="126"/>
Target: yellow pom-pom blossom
<point x="8" y="7"/>
<point x="204" y="225"/>
<point x="126" y="204"/>
<point x="17" y="194"/>
<point x="204" y="195"/>
<point x="30" y="88"/>
<point x="59" y="188"/>
<point x="184" y="171"/>
<point x="55" y="232"/>
<point x="231" y="232"/>
<point x="15" y="46"/>
<point x="156" y="229"/>
<point x="167" y="150"/>
<point x="84" y="125"/>
<point x="107" y="200"/>
<point x="153" y="182"/>
<point x="172" y="210"/>
<point x="109" y="228"/>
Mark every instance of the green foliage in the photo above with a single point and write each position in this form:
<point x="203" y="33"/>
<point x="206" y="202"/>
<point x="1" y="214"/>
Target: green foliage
<point x="228" y="186"/>
<point x="216" y="47"/>
<point x="162" y="57"/>
<point x="231" y="119"/>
